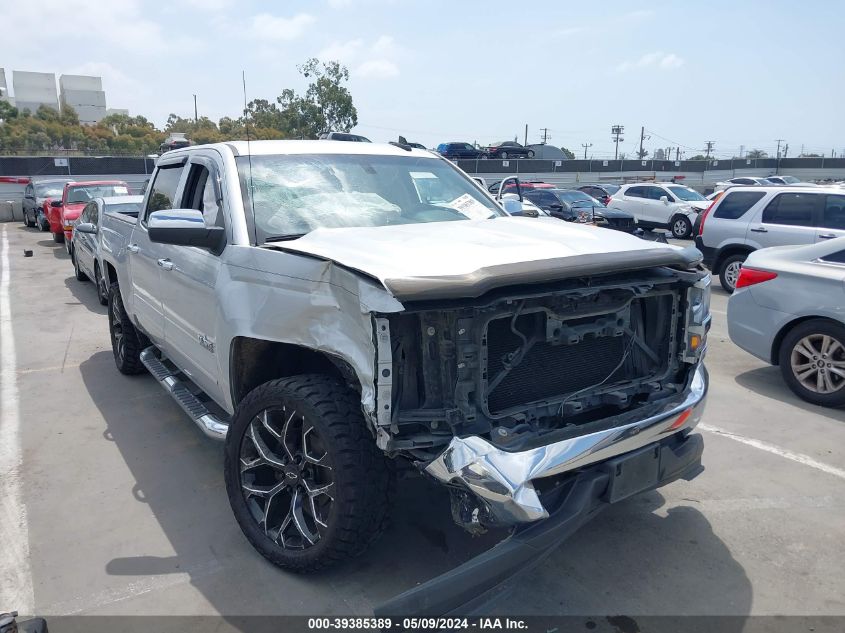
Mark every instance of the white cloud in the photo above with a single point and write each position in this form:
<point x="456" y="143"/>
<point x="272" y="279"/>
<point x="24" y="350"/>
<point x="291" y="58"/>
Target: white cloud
<point x="657" y="59"/>
<point x="377" y="60"/>
<point x="342" y="51"/>
<point x="570" y="30"/>
<point x="377" y="69"/>
<point x="119" y="23"/>
<point x="270" y="27"/>
<point x="638" y="14"/>
<point x="208" y="5"/>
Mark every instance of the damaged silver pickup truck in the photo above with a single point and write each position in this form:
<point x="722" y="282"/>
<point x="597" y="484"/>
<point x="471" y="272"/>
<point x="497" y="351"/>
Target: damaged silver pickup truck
<point x="333" y="309"/>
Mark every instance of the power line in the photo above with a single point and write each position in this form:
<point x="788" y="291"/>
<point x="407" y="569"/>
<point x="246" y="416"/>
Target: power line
<point x="586" y="146"/>
<point x="779" y="141"/>
<point x="545" y="133"/>
<point x="709" y="149"/>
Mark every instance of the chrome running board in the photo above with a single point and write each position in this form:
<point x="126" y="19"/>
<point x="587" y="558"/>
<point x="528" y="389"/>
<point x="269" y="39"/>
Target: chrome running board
<point x="209" y="423"/>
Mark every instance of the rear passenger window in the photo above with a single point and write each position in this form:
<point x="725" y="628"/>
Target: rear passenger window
<point x="736" y="204"/>
<point x="835" y="258"/>
<point x="793" y="209"/>
<point x="163" y="189"/>
<point x="833" y="216"/>
<point x="636" y="192"/>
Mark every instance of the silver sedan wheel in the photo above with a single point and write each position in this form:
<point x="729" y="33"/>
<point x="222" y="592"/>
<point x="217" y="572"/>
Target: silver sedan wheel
<point x="732" y="273"/>
<point x="818" y="363"/>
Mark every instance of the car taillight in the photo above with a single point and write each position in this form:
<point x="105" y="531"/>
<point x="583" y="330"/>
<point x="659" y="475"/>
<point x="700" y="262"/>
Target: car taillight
<point x="706" y="213"/>
<point x="751" y="276"/>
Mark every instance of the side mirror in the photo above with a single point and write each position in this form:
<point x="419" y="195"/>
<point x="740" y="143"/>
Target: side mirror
<point x="185" y="227"/>
<point x="556" y="206"/>
<point x="512" y="206"/>
<point x="86" y="227"/>
<point x="664" y="199"/>
<point x="55" y="203"/>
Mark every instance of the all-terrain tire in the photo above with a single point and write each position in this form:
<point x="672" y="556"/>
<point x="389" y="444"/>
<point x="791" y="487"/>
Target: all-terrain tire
<point x="126" y="347"/>
<point x="363" y="478"/>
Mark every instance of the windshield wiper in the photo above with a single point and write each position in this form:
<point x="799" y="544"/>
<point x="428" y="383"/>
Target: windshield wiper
<point x="285" y="238"/>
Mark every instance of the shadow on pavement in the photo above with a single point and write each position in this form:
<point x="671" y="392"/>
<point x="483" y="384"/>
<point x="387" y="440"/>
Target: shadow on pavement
<point x="86" y="293"/>
<point x="629" y="558"/>
<point x="179" y="475"/>
<point x="632" y="560"/>
<point x="768" y="382"/>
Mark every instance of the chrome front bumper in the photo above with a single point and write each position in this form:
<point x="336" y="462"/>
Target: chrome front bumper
<point x="503" y="480"/>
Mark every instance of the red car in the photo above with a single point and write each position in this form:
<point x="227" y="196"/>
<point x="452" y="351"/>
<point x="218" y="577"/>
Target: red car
<point x="74" y="198"/>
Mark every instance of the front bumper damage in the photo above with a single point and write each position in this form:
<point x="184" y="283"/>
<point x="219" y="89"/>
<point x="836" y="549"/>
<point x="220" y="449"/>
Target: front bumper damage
<point x="603" y="468"/>
<point x="504" y="480"/>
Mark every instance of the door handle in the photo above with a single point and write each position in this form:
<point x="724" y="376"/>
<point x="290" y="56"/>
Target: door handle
<point x="166" y="264"/>
<point x="826" y="236"/>
<point x="761" y="229"/>
<point x="133" y="248"/>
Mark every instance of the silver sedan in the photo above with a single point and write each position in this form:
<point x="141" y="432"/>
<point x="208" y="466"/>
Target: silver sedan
<point x="789" y="310"/>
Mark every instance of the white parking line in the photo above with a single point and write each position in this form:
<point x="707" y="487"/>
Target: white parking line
<point x="15" y="573"/>
<point x="776" y="450"/>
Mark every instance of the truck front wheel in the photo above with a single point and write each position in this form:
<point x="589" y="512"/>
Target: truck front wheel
<point x="305" y="479"/>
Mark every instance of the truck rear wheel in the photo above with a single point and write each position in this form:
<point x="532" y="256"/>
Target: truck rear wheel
<point x="305" y="479"/>
<point x="126" y="342"/>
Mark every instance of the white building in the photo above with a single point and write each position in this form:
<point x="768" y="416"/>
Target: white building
<point x="4" y="89"/>
<point x="85" y="95"/>
<point x="33" y="90"/>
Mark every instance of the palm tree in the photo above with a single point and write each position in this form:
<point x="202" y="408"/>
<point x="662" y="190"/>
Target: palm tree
<point x="756" y="153"/>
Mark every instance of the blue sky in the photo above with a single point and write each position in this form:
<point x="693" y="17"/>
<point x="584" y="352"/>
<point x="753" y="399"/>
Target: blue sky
<point x="435" y="70"/>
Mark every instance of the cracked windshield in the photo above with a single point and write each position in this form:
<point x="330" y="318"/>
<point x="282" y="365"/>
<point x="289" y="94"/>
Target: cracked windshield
<point x="295" y="194"/>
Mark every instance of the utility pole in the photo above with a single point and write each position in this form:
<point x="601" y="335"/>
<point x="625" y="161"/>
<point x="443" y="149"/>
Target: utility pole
<point x="643" y="137"/>
<point x="195" y="109"/>
<point x="785" y="150"/>
<point x="545" y="132"/>
<point x="779" y="140"/>
<point x="526" y="135"/>
<point x="617" y="131"/>
<point x="586" y="146"/>
<point x="708" y="149"/>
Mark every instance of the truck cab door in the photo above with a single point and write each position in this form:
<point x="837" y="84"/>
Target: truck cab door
<point x="189" y="280"/>
<point x="146" y="257"/>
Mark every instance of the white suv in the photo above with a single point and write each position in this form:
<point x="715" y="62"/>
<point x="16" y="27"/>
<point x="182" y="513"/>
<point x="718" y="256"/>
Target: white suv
<point x="661" y="205"/>
<point x="746" y="219"/>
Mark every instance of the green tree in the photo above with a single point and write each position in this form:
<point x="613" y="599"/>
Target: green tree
<point x="568" y="153"/>
<point x="756" y="153"/>
<point x="329" y="95"/>
<point x="698" y="157"/>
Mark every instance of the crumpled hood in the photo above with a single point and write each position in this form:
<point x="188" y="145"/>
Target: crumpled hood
<point x="469" y="257"/>
<point x="699" y="205"/>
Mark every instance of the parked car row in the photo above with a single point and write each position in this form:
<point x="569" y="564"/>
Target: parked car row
<point x="329" y="327"/>
<point x="54" y="205"/>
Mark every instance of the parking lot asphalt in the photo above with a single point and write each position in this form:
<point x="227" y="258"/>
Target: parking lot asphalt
<point x="126" y="511"/>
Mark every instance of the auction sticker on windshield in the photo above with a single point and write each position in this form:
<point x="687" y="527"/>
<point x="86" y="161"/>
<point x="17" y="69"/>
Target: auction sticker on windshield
<point x="470" y="207"/>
